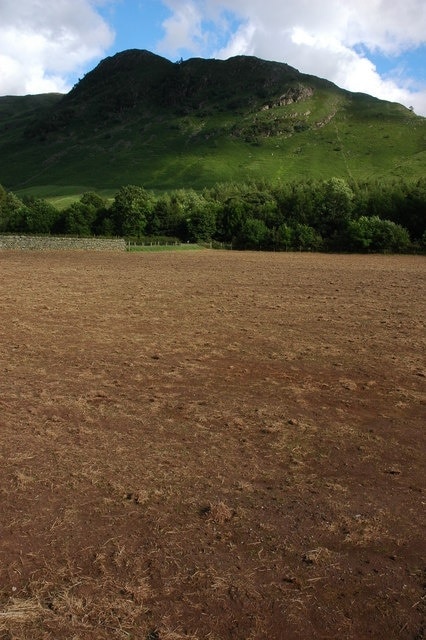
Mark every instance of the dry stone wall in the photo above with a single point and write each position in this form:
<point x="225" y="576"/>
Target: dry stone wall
<point x="51" y="243"/>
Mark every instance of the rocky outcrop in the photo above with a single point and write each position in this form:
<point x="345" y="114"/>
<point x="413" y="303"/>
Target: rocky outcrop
<point x="292" y="95"/>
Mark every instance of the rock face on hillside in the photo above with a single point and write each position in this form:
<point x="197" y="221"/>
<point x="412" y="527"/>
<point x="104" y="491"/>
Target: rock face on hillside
<point x="292" y="95"/>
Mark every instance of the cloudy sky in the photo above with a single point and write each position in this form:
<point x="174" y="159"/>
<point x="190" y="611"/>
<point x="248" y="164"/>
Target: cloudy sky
<point x="374" y="46"/>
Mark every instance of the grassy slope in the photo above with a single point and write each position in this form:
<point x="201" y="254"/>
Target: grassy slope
<point x="331" y="133"/>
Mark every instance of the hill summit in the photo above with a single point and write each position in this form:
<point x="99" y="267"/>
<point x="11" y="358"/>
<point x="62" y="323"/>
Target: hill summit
<point x="136" y="82"/>
<point x="140" y="118"/>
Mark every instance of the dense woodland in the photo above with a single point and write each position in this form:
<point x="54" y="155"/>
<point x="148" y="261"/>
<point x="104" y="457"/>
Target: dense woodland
<point x="328" y="215"/>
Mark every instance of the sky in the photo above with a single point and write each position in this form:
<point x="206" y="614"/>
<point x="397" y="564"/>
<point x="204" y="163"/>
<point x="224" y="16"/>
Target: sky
<point x="372" y="46"/>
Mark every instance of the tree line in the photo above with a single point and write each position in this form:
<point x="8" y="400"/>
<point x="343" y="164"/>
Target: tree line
<point x="311" y="215"/>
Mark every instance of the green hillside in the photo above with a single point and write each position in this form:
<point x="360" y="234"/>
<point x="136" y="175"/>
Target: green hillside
<point x="138" y="118"/>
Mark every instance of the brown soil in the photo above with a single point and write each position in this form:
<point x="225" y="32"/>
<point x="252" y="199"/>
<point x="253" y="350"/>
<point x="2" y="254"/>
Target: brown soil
<point x="212" y="445"/>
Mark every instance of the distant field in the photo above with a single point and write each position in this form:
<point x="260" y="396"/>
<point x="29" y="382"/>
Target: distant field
<point x="62" y="196"/>
<point x="223" y="445"/>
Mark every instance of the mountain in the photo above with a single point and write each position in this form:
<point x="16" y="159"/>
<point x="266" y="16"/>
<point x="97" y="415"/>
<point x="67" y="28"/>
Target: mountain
<point x="139" y="118"/>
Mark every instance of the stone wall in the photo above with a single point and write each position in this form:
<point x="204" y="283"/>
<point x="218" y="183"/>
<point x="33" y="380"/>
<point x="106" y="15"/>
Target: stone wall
<point x="51" y="243"/>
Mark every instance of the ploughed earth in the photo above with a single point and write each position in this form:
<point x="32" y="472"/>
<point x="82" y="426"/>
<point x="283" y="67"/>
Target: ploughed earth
<point x="212" y="445"/>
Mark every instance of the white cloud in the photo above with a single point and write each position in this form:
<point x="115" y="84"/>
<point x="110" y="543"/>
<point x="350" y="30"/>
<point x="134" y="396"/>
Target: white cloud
<point x="183" y="29"/>
<point x="328" y="39"/>
<point x="195" y="27"/>
<point x="42" y="41"/>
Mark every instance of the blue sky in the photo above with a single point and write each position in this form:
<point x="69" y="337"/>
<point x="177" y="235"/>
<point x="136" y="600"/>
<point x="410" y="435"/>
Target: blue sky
<point x="374" y="46"/>
<point x="137" y="25"/>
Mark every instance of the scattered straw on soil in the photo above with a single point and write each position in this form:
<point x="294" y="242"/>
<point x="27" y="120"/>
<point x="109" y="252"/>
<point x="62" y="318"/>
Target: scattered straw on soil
<point x="211" y="445"/>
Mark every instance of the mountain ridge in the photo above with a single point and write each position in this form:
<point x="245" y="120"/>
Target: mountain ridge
<point x="140" y="118"/>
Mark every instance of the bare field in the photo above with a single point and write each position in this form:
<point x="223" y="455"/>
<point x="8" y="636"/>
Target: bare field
<point x="211" y="445"/>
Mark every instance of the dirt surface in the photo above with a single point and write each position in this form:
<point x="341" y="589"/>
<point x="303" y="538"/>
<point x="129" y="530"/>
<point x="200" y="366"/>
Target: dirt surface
<point x="212" y="445"/>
